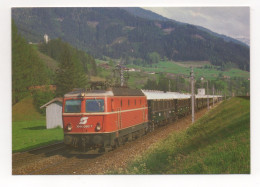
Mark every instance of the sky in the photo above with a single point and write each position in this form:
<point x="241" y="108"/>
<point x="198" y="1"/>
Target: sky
<point x="230" y="21"/>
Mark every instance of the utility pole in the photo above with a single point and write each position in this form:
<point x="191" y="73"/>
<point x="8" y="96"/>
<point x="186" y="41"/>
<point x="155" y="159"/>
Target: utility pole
<point x="121" y="76"/>
<point x="192" y="95"/>
<point x="208" y="94"/>
<point x="213" y="94"/>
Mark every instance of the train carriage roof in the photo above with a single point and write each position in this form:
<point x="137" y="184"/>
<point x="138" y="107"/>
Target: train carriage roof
<point x="153" y="95"/>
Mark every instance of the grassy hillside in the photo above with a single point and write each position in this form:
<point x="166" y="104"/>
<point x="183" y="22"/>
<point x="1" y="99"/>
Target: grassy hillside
<point x="184" y="69"/>
<point x="29" y="127"/>
<point x="25" y="111"/>
<point x="51" y="63"/>
<point x="218" y="143"/>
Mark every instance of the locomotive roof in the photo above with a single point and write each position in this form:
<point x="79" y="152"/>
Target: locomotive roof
<point x="109" y="92"/>
<point x="127" y="92"/>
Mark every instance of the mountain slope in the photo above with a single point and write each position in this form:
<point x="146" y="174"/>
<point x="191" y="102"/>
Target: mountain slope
<point x="116" y="33"/>
<point x="147" y="14"/>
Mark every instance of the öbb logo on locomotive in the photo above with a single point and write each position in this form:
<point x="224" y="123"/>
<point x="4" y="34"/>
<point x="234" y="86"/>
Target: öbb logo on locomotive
<point x="83" y="120"/>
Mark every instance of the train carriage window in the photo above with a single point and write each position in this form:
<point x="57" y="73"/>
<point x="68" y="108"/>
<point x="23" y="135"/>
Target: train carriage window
<point x="135" y="102"/>
<point x="73" y="106"/>
<point x="121" y="103"/>
<point x="112" y="105"/>
<point x="128" y="102"/>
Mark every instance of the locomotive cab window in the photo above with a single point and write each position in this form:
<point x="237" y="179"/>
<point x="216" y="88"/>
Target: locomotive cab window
<point x="95" y="105"/>
<point x="73" y="106"/>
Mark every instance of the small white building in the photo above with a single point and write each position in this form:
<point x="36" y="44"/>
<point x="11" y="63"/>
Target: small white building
<point x="201" y="91"/>
<point x="53" y="113"/>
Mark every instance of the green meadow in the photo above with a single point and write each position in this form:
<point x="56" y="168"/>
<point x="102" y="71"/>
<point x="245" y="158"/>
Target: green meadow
<point x="183" y="68"/>
<point x="29" y="127"/>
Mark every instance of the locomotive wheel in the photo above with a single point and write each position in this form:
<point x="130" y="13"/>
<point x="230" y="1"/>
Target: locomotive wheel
<point x="130" y="137"/>
<point x="116" y="144"/>
<point x="120" y="141"/>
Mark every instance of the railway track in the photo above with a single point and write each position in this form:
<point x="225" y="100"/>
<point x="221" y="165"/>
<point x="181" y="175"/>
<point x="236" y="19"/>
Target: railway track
<point x="19" y="160"/>
<point x="27" y="155"/>
<point x="56" y="159"/>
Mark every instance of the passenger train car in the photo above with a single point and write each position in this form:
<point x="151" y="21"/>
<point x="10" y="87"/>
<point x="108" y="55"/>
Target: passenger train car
<point x="100" y="120"/>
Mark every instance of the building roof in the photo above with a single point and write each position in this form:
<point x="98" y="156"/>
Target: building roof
<point x="57" y="99"/>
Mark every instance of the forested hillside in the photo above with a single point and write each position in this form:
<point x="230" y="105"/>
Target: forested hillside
<point x="116" y="33"/>
<point x="27" y="69"/>
<point x="57" y="63"/>
<point x="75" y="67"/>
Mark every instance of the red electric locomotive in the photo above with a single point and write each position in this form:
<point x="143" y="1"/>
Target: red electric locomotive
<point x="99" y="120"/>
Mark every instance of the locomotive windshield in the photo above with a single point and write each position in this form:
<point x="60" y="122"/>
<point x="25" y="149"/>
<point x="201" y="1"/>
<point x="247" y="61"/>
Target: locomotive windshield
<point x="73" y="106"/>
<point x="95" y="105"/>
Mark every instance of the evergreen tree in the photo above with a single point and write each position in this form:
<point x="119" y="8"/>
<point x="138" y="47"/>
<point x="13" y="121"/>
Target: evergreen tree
<point x="70" y="73"/>
<point x="153" y="58"/>
<point x="151" y="85"/>
<point x="163" y="83"/>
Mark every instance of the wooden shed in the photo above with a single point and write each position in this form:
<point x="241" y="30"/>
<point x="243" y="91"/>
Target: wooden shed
<point x="53" y="113"/>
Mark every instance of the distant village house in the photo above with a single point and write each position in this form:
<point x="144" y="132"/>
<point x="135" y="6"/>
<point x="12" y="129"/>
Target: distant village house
<point x="46" y="38"/>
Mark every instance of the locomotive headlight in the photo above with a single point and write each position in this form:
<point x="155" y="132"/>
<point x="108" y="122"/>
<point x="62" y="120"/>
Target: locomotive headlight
<point x="98" y="127"/>
<point x="69" y="127"/>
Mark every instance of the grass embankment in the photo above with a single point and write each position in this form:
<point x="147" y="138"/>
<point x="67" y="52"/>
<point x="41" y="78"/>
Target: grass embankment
<point x="29" y="127"/>
<point x="218" y="143"/>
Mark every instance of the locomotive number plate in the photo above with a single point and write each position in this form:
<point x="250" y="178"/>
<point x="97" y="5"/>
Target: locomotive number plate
<point x="84" y="126"/>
